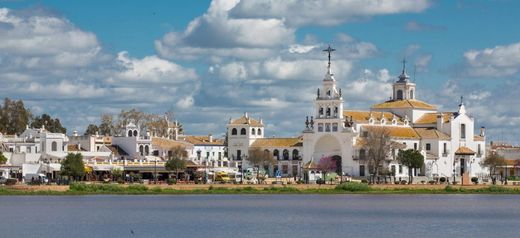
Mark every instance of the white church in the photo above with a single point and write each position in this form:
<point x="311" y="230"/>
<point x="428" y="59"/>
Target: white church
<point x="447" y="140"/>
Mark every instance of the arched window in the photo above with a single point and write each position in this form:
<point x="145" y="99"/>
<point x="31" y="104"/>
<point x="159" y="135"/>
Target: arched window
<point x="328" y="111"/>
<point x="129" y="133"/>
<point x="285" y="154"/>
<point x="141" y="150"/>
<point x="276" y="154"/>
<point x="147" y="150"/>
<point x="253" y="132"/>
<point x="463" y="131"/>
<point x="399" y="94"/>
<point x="54" y="146"/>
<point x="295" y="155"/>
<point x="259" y="132"/>
<point x="243" y="131"/>
<point x="135" y="132"/>
<point x="321" y="111"/>
<point x="234" y="131"/>
<point x="411" y="94"/>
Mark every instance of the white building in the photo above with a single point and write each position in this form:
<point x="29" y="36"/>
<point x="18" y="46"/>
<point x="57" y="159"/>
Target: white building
<point x="446" y="139"/>
<point x="137" y="147"/>
<point x="207" y="151"/>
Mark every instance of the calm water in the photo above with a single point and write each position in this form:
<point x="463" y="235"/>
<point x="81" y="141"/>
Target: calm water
<point x="261" y="216"/>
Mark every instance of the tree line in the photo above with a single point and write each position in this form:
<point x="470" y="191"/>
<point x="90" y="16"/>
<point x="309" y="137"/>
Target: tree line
<point x="155" y="123"/>
<point x="14" y="118"/>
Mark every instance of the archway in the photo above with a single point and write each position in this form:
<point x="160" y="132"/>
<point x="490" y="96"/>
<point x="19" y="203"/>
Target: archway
<point x="339" y="168"/>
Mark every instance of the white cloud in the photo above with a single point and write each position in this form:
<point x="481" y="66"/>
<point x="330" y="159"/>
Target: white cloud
<point x="502" y="60"/>
<point x="332" y="12"/>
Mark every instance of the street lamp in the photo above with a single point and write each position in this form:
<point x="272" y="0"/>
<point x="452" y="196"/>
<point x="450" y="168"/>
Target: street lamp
<point x="155" y="170"/>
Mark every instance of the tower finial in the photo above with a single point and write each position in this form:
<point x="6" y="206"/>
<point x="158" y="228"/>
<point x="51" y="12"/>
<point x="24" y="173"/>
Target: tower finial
<point x="404" y="64"/>
<point x="329" y="50"/>
<point x="461" y="100"/>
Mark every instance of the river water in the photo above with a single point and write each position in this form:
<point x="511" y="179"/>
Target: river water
<point x="261" y="216"/>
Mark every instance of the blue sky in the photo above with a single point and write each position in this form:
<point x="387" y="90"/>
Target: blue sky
<point x="209" y="63"/>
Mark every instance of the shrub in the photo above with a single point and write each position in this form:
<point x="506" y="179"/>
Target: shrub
<point x="396" y="182"/>
<point x="171" y="181"/>
<point x="431" y="182"/>
<point x="10" y="181"/>
<point x="120" y="181"/>
<point x="474" y="180"/>
<point x="404" y="182"/>
<point x="442" y="179"/>
<point x="364" y="181"/>
<point x="353" y="187"/>
<point x="300" y="182"/>
<point x="454" y="182"/>
<point x="320" y="181"/>
<point x="497" y="189"/>
<point x="449" y="188"/>
<point x="423" y="182"/>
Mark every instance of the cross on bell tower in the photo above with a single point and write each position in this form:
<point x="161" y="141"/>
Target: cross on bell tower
<point x="329" y="50"/>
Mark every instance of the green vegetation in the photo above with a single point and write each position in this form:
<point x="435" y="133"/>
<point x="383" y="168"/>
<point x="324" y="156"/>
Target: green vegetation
<point x="346" y="188"/>
<point x="412" y="159"/>
<point x="3" y="159"/>
<point x="73" y="166"/>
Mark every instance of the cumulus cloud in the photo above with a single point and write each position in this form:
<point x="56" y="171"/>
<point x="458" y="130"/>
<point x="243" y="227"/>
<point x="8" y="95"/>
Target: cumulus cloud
<point x="310" y="12"/>
<point x="499" y="61"/>
<point x="417" y="26"/>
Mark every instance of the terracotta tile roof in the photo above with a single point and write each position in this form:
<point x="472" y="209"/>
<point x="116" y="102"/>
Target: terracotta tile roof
<point x="73" y="147"/>
<point x="116" y="150"/>
<point x="310" y="165"/>
<point x="431" y="118"/>
<point x="478" y="138"/>
<point x="398" y="131"/>
<point x="243" y="120"/>
<point x="431" y="133"/>
<point x="277" y="142"/>
<point x="203" y="140"/>
<point x="408" y="103"/>
<point x="168" y="144"/>
<point x="463" y="150"/>
<point x="363" y="116"/>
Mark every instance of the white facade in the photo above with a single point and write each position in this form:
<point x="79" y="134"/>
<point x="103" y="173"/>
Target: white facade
<point x="131" y="141"/>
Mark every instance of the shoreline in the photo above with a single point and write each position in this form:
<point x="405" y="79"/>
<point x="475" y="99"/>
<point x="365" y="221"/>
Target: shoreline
<point x="348" y="188"/>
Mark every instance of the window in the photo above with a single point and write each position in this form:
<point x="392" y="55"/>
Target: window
<point x="295" y="154"/>
<point x="219" y="155"/>
<point x="365" y="134"/>
<point x="411" y="94"/>
<point x="428" y="146"/>
<point x="276" y="154"/>
<point x="207" y="154"/>
<point x="243" y="131"/>
<point x="321" y="111"/>
<point x="393" y="170"/>
<point x="463" y="131"/>
<point x="415" y="146"/>
<point x="29" y="149"/>
<point x="234" y="131"/>
<point x="147" y="150"/>
<point x="285" y="154"/>
<point x="239" y="154"/>
<point x="141" y="150"/>
<point x="328" y="111"/>
<point x="361" y="170"/>
<point x="327" y="127"/>
<point x="399" y="94"/>
<point x="135" y="132"/>
<point x="328" y="93"/>
<point x="362" y="154"/>
<point x="334" y="126"/>
<point x="335" y="111"/>
<point x="129" y="133"/>
<point x="253" y="132"/>
<point x="479" y="152"/>
<point x="445" y="148"/>
<point x="259" y="131"/>
<point x="54" y="146"/>
<point x="320" y="127"/>
<point x="400" y="169"/>
<point x="285" y="169"/>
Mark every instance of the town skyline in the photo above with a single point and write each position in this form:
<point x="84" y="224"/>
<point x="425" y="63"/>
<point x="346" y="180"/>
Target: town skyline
<point x="76" y="67"/>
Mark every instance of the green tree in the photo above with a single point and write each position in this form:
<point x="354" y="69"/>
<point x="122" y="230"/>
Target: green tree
<point x="14" y="117"/>
<point x="259" y="158"/>
<point x="412" y="159"/>
<point x="493" y="161"/>
<point x="91" y="130"/>
<point x="175" y="164"/>
<point x="52" y="125"/>
<point x="106" y="127"/>
<point x="3" y="159"/>
<point x="73" y="166"/>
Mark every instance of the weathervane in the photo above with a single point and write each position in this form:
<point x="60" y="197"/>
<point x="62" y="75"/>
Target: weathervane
<point x="329" y="50"/>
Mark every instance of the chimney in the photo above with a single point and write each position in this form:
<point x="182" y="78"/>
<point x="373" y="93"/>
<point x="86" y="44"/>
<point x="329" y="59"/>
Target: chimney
<point x="79" y="146"/>
<point x="440" y="121"/>
<point x="482" y="131"/>
<point x="176" y="134"/>
<point x="210" y="138"/>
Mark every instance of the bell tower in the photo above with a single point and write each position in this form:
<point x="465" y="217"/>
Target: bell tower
<point x="403" y="89"/>
<point x="329" y="101"/>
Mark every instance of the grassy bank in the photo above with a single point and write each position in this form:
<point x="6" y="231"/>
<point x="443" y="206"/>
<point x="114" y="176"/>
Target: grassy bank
<point x="346" y="188"/>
